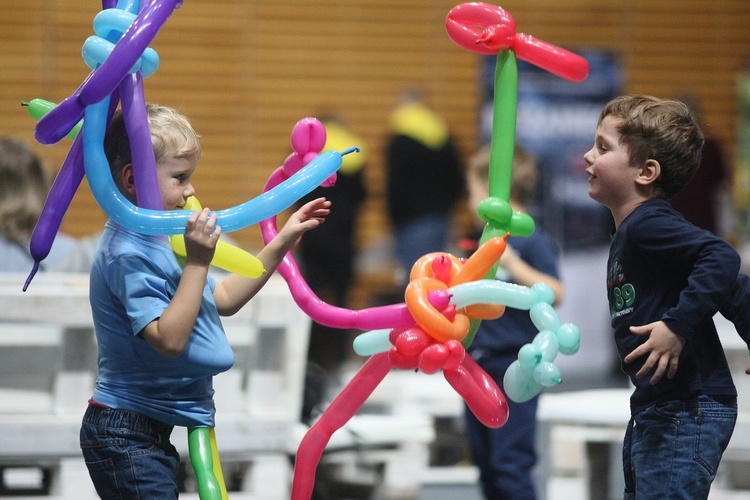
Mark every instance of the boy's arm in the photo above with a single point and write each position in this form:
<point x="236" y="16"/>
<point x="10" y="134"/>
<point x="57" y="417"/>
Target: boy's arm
<point x="663" y="348"/>
<point x="169" y="334"/>
<point x="522" y="273"/>
<point x="235" y="291"/>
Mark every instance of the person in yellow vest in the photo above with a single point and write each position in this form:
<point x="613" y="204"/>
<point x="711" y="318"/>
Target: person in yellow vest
<point x="425" y="180"/>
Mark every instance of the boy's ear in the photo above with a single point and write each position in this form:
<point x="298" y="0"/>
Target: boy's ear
<point x="648" y="173"/>
<point x="128" y="179"/>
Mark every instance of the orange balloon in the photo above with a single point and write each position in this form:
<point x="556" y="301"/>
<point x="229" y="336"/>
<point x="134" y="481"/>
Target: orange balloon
<point x="430" y="319"/>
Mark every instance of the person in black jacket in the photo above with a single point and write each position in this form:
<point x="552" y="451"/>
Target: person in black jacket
<point x="666" y="279"/>
<point x="424" y="180"/>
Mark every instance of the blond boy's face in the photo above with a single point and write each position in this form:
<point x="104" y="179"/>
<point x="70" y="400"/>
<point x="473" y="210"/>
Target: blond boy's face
<point x="611" y="177"/>
<point x="174" y="181"/>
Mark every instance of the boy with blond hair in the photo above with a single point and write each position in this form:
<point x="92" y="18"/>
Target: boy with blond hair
<point x="160" y="339"/>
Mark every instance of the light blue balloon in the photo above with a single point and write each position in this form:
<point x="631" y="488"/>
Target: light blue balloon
<point x="372" y="342"/>
<point x="547" y="374"/>
<point x="544" y="292"/>
<point x="488" y="291"/>
<point x="162" y="222"/>
<point x="547" y="343"/>
<point x="544" y="317"/>
<point x="529" y="357"/>
<point x="519" y="385"/>
<point x="569" y="338"/>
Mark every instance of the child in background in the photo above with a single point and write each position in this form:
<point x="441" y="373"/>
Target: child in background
<point x="24" y="183"/>
<point x="666" y="279"/>
<point x="506" y="456"/>
<point x="160" y="339"/>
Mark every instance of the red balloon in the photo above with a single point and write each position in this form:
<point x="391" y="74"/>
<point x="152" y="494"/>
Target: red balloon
<point x="481" y="393"/>
<point x="466" y="23"/>
<point x="488" y="29"/>
<point x="413" y="341"/>
<point x="432" y="358"/>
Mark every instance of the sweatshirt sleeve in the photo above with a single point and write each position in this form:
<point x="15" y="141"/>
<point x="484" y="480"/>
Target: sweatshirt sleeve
<point x="709" y="263"/>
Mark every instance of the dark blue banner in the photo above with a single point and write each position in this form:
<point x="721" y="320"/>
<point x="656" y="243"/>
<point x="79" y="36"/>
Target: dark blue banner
<point x="557" y="122"/>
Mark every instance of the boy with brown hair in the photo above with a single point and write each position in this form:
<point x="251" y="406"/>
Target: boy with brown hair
<point x="666" y="279"/>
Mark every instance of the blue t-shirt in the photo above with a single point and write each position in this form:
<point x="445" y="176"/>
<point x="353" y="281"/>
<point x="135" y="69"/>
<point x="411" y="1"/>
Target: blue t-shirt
<point x="133" y="279"/>
<point x="661" y="267"/>
<point x="514" y="328"/>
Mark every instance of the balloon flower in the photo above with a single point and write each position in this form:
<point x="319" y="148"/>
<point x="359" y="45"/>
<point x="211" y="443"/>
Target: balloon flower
<point x="426" y="331"/>
<point x="490" y="30"/>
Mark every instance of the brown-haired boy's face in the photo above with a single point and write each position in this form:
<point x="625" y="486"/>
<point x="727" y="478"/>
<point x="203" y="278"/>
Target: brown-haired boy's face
<point x="611" y="177"/>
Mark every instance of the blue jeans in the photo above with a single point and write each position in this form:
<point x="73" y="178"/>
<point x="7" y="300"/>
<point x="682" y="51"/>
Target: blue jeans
<point x="672" y="449"/>
<point x="128" y="455"/>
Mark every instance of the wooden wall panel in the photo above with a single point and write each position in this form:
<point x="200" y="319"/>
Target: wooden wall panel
<point x="246" y="71"/>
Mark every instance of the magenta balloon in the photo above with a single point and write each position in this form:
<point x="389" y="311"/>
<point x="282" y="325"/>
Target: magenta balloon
<point x="373" y="318"/>
<point x="308" y="136"/>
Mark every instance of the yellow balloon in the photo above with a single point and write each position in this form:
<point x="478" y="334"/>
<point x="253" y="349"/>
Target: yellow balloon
<point x="227" y="256"/>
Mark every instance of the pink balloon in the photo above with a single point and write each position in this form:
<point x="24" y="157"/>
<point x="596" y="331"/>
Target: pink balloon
<point x="308" y="135"/>
<point x="432" y="358"/>
<point x="373" y="318"/>
<point x="481" y="393"/>
<point x="412" y="342"/>
<point x="465" y="23"/>
<point x="488" y="29"/>
<point x="338" y="413"/>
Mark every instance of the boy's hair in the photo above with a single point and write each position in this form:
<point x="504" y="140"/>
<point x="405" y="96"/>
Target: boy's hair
<point x="523" y="178"/>
<point x="172" y="137"/>
<point x="662" y="130"/>
<point x="24" y="184"/>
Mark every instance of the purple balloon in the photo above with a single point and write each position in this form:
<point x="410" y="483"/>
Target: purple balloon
<point x="103" y="80"/>
<point x="142" y="151"/>
<point x="58" y="200"/>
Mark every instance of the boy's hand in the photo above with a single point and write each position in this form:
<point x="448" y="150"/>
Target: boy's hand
<point x="308" y="216"/>
<point x="201" y="236"/>
<point x="663" y="348"/>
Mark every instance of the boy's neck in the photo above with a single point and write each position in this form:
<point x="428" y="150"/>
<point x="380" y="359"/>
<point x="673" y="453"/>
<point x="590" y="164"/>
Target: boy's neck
<point x="621" y="212"/>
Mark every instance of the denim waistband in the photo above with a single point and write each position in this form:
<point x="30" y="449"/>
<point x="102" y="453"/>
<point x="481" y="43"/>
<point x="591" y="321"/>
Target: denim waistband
<point x="99" y="416"/>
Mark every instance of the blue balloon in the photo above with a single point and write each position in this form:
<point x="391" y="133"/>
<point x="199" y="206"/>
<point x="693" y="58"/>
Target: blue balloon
<point x="162" y="222"/>
<point x="488" y="291"/>
<point x="520" y="385"/>
<point x="372" y="342"/>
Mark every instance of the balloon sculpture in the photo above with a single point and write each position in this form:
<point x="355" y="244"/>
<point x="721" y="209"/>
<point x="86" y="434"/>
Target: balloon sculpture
<point x="433" y="339"/>
<point x="446" y="297"/>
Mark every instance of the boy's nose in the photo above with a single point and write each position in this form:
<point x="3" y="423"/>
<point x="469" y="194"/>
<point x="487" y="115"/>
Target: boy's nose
<point x="587" y="157"/>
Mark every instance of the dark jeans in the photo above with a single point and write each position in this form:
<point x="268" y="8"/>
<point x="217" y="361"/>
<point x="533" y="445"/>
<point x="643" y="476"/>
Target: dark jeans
<point x="672" y="449"/>
<point x="505" y="456"/>
<point x="128" y="455"/>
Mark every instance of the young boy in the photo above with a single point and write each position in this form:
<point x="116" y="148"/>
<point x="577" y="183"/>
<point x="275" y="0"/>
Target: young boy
<point x="506" y="456"/>
<point x="665" y="281"/>
<point x="159" y="335"/>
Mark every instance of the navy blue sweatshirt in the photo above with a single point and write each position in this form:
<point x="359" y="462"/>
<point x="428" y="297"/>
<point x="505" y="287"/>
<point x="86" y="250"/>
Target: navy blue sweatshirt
<point x="661" y="267"/>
